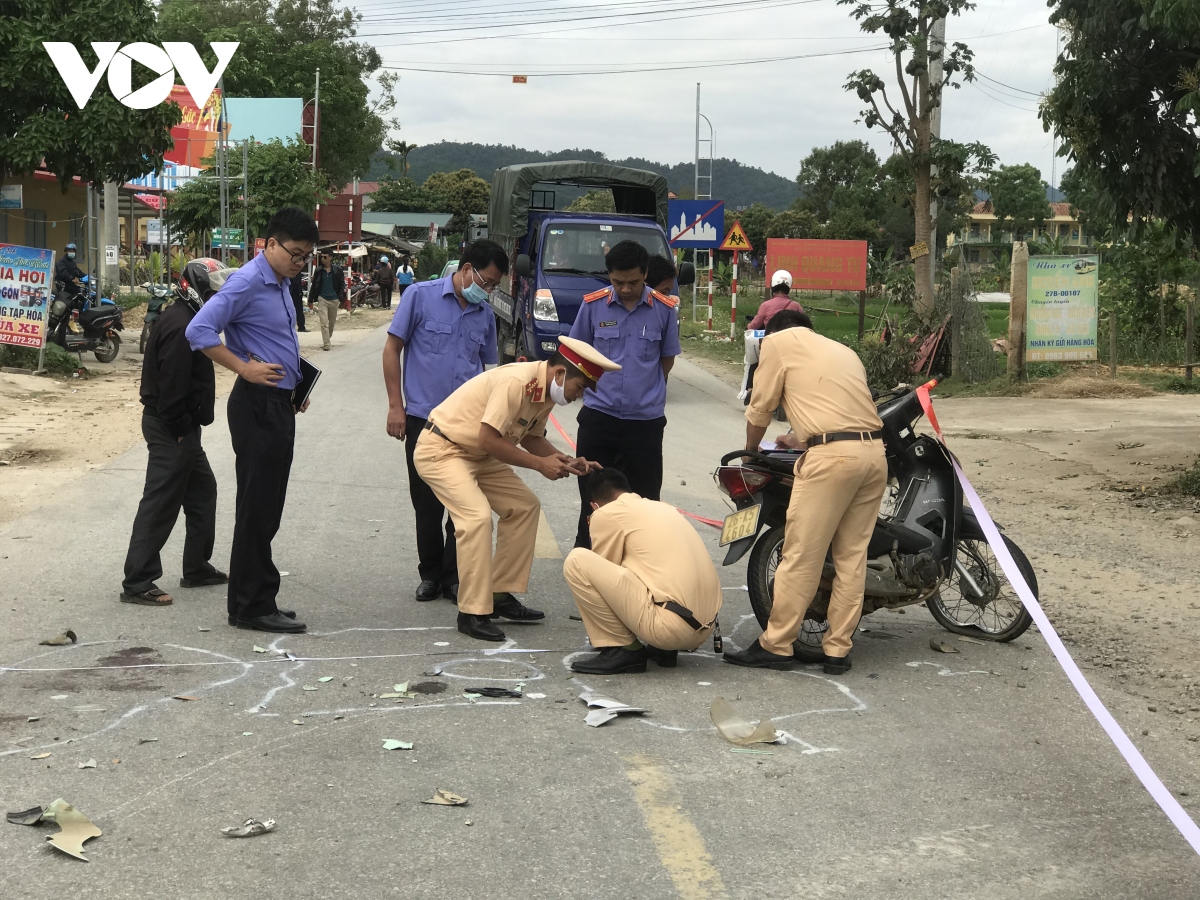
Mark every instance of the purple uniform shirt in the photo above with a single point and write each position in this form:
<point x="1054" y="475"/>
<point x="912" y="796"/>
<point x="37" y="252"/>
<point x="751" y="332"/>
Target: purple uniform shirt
<point x="255" y="311"/>
<point x="445" y="345"/>
<point x="638" y="341"/>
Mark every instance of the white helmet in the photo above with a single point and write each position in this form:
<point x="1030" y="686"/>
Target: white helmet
<point x="383" y="259"/>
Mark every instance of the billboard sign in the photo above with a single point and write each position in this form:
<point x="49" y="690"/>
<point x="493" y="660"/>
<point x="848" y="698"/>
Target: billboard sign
<point x="154" y="233"/>
<point x="698" y="224"/>
<point x="1061" y="321"/>
<point x="11" y="196"/>
<point x="26" y="274"/>
<point x="820" y="265"/>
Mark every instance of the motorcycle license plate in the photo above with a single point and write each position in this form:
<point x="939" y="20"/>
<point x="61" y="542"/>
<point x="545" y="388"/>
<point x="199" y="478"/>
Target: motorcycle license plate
<point x="740" y="524"/>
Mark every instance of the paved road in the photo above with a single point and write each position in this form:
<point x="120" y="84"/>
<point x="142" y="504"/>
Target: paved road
<point x="916" y="775"/>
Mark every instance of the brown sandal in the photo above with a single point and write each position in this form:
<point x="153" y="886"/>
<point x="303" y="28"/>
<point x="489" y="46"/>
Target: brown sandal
<point x="152" y="597"/>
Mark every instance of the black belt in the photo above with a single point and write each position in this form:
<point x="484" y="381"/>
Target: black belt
<point x="429" y="426"/>
<point x="829" y="437"/>
<point x="683" y="612"/>
<point x="285" y="393"/>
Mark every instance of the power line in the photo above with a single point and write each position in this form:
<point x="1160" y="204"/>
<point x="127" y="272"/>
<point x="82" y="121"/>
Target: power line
<point x="979" y="87"/>
<point x="1037" y="94"/>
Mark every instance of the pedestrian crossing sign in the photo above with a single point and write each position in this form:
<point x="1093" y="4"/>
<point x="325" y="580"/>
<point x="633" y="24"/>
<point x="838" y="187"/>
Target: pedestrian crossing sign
<point x="736" y="239"/>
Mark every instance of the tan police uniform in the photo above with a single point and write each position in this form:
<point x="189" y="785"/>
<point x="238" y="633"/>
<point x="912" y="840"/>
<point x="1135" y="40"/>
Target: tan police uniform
<point x="644" y="555"/>
<point x="513" y="399"/>
<point x="838" y="487"/>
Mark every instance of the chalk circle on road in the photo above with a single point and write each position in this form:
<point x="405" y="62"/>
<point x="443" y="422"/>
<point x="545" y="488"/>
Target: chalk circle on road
<point x="511" y="670"/>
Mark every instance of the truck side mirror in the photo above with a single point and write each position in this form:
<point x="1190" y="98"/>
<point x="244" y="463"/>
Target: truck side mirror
<point x="687" y="274"/>
<point x="524" y="265"/>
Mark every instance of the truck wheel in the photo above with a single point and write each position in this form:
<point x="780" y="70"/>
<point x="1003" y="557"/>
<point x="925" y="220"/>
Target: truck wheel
<point x="504" y="339"/>
<point x="523" y="347"/>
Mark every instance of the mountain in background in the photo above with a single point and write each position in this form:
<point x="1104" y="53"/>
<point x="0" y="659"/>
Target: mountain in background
<point x="733" y="182"/>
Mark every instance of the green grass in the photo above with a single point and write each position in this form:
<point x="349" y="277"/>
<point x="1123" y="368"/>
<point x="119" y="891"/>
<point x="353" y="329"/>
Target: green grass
<point x="1186" y="482"/>
<point x="58" y="360"/>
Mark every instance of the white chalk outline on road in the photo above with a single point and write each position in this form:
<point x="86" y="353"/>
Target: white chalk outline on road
<point x="943" y="670"/>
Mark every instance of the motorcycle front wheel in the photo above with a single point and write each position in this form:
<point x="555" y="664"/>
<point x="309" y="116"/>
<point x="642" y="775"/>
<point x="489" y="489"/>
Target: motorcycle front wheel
<point x="983" y="605"/>
<point x="146" y="326"/>
<point x="107" y="349"/>
<point x="760" y="581"/>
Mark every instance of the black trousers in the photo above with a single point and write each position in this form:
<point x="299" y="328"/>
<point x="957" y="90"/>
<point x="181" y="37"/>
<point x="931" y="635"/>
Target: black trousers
<point x="262" y="423"/>
<point x="632" y="445"/>
<point x="298" y="302"/>
<point x="386" y="293"/>
<point x="437" y="555"/>
<point x="178" y="476"/>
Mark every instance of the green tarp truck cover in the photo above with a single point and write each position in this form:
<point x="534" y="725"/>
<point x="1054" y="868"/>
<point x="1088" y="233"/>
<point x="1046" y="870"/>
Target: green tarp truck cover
<point x="635" y="191"/>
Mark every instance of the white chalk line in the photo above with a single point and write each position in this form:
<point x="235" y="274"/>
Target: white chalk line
<point x="943" y="670"/>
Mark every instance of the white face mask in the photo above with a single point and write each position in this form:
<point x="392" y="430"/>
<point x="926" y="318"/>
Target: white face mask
<point x="558" y="392"/>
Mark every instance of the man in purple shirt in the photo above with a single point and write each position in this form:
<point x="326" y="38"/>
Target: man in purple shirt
<point x="622" y="422"/>
<point x="447" y="334"/>
<point x="254" y="310"/>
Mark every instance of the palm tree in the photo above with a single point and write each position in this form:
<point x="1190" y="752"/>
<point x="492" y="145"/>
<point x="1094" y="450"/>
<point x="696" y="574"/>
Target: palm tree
<point x="402" y="149"/>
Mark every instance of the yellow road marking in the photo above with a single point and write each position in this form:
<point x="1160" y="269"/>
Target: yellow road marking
<point x="677" y="840"/>
<point x="545" y="546"/>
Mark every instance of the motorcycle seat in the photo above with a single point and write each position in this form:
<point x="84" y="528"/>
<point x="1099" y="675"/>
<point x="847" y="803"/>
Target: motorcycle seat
<point x="99" y="314"/>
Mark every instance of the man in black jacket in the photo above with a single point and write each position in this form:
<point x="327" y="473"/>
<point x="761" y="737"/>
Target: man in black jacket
<point x="328" y="289"/>
<point x="178" y="395"/>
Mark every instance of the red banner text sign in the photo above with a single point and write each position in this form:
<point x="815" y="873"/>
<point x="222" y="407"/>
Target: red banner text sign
<point x="820" y="265"/>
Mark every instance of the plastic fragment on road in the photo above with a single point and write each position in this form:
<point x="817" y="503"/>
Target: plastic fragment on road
<point x="325" y="678"/>
<point x="147" y="740"/>
<point x="737" y="729"/>
<point x="184" y="697"/>
<point x="393" y="744"/>
<point x="310" y="687"/>
<point x="249" y="828"/>
<point x="31" y="816"/>
<point x="90" y="764"/>
<point x="41" y="756"/>
<point x="605" y="709"/>
<point x="76" y="828"/>
<point x="536" y="696"/>
<point x="942" y="646"/>
<point x="60" y="640"/>
<point x="443" y="797"/>
<point x="258" y="649"/>
<point x="496" y="692"/>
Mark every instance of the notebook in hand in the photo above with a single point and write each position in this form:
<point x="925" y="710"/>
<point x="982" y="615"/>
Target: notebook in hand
<point x="308" y="380"/>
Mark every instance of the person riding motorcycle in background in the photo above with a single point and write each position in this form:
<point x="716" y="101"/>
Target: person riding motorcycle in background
<point x="68" y="273"/>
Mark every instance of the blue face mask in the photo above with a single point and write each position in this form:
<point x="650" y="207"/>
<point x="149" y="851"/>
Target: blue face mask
<point x="473" y="293"/>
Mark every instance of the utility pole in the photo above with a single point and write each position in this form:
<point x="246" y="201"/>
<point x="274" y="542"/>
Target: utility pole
<point x="245" y="202"/>
<point x="312" y="265"/>
<point x="223" y="175"/>
<point x="937" y="49"/>
<point x="695" y="194"/>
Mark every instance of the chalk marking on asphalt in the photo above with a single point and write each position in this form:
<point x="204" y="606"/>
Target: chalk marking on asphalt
<point x="545" y="544"/>
<point x="678" y="842"/>
<point x="536" y="674"/>
<point x="942" y="670"/>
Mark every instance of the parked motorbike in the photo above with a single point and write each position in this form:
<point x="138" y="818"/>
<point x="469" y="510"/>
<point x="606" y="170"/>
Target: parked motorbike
<point x="364" y="292"/>
<point x="78" y="323"/>
<point x="926" y="547"/>
<point x="160" y="297"/>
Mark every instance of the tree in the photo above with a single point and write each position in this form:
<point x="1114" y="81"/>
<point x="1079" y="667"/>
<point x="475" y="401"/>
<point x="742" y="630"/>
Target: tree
<point x="600" y="201"/>
<point x="400" y="149"/>
<point x="1018" y="198"/>
<point x="848" y="168"/>
<point x="1125" y="104"/>
<point x="755" y="220"/>
<point x="463" y="193"/>
<point x="104" y="141"/>
<point x="402" y="195"/>
<point x="923" y="71"/>
<point x="282" y="43"/>
<point x="794" y="223"/>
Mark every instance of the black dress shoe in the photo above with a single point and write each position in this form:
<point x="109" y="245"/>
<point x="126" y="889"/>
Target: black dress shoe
<point x="479" y="627"/>
<point x="837" y="665"/>
<point x="666" y="659"/>
<point x="276" y="622"/>
<point x="612" y="661"/>
<point x="209" y="580"/>
<point x="290" y="613"/>
<point x="756" y="657"/>
<point x="807" y="653"/>
<point x="510" y="607"/>
<point x="427" y="590"/>
<point x="450" y="592"/>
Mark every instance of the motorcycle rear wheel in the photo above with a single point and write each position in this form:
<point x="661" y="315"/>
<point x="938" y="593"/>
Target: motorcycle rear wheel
<point x="760" y="581"/>
<point x="146" y="326"/>
<point x="106" y="351"/>
<point x="997" y="615"/>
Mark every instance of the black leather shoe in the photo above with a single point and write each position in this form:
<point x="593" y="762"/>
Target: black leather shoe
<point x="511" y="608"/>
<point x="756" y="657"/>
<point x="479" y="627"/>
<point x="612" y="661"/>
<point x="427" y="590"/>
<point x="276" y="622"/>
<point x="290" y="613"/>
<point x="450" y="592"/>
<point x="837" y="665"/>
<point x="666" y="659"/>
<point x="205" y="580"/>
<point x="807" y="653"/>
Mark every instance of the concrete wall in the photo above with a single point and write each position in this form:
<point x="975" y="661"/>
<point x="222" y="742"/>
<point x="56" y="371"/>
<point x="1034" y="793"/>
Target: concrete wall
<point x="50" y="219"/>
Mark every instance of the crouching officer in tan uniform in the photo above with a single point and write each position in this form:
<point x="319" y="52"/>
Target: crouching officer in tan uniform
<point x="839" y="483"/>
<point x="647" y="588"/>
<point x="471" y="441"/>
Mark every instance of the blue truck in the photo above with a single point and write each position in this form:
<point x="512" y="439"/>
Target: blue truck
<point x="555" y="256"/>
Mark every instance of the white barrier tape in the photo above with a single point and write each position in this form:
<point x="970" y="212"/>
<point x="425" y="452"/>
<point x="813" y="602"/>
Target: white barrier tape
<point x="1176" y="813"/>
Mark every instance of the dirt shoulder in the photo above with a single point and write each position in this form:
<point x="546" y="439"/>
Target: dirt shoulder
<point x="53" y="430"/>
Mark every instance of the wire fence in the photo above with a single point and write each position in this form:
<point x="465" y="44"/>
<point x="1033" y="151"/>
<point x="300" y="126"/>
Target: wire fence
<point x="973" y="355"/>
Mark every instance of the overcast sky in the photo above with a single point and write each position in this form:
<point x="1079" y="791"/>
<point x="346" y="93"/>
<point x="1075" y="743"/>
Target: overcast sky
<point x="768" y="115"/>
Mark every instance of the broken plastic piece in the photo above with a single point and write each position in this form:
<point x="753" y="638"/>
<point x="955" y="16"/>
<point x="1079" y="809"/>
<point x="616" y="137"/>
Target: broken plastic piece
<point x="324" y="678"/>
<point x="310" y="687"/>
<point x="59" y="640"/>
<point x="90" y="764"/>
<point x="40" y="756"/>
<point x="737" y="729"/>
<point x="31" y="816"/>
<point x="184" y="697"/>
<point x="392" y="744"/>
<point x="147" y="740"/>
<point x="249" y="828"/>
<point x="942" y="646"/>
<point x="258" y="649"/>
<point x="443" y="797"/>
<point x="495" y="692"/>
<point x="605" y="709"/>
<point x="76" y="828"/>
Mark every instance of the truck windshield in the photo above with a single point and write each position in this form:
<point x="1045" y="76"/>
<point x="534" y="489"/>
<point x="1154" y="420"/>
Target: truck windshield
<point x="578" y="248"/>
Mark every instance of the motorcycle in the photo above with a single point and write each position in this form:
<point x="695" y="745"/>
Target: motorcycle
<point x="364" y="292"/>
<point x="78" y="323"/>
<point x="160" y="296"/>
<point x="926" y="546"/>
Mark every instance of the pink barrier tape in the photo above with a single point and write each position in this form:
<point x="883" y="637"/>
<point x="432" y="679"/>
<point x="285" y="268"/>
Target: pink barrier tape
<point x="1176" y="813"/>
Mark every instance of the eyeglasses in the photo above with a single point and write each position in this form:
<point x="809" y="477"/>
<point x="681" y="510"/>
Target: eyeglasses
<point x="488" y="286"/>
<point x="298" y="257"/>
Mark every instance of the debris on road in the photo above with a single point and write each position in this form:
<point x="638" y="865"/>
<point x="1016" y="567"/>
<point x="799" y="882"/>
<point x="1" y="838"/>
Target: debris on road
<point x="605" y="709"/>
<point x="249" y="828"/>
<point x="496" y="692"/>
<point x="971" y="640"/>
<point x="33" y="719"/>
<point x="31" y="816"/>
<point x="146" y="741"/>
<point x="393" y="744"/>
<point x="59" y="640"/>
<point x="942" y="646"/>
<point x="325" y="678"/>
<point x="737" y="729"/>
<point x="76" y="828"/>
<point x="258" y="649"/>
<point x="184" y="697"/>
<point x="310" y="687"/>
<point x="90" y="764"/>
<point x="41" y="756"/>
<point x="1132" y="446"/>
<point x="445" y="798"/>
